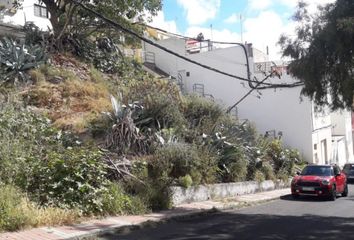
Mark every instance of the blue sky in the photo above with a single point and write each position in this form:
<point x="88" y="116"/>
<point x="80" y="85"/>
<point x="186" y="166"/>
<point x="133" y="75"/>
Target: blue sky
<point x="263" y="21"/>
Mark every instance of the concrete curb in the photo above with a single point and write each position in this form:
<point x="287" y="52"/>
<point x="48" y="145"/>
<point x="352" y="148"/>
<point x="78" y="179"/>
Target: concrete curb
<point x="90" y="230"/>
<point x="146" y="224"/>
<point x="232" y="205"/>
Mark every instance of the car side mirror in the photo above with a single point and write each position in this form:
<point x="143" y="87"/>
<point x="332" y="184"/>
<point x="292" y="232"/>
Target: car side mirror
<point x="298" y="172"/>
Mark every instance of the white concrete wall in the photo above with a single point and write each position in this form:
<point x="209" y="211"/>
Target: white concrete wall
<point x="322" y="154"/>
<point x="321" y="135"/>
<point x="6" y="3"/>
<point x="279" y="110"/>
<point x="339" y="151"/>
<point x="303" y="127"/>
<point x="27" y="14"/>
<point x="342" y="126"/>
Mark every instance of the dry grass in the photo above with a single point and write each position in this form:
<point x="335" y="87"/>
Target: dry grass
<point x="18" y="212"/>
<point x="72" y="99"/>
<point x="51" y="216"/>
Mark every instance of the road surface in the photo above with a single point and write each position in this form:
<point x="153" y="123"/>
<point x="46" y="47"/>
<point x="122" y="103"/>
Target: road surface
<point x="306" y="218"/>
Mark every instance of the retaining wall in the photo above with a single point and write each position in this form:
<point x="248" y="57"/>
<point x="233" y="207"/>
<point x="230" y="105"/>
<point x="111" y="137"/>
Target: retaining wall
<point x="222" y="190"/>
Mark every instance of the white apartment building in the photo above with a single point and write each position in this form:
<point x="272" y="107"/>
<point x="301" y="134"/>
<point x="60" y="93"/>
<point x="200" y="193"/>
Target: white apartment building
<point x="321" y="137"/>
<point x="31" y="11"/>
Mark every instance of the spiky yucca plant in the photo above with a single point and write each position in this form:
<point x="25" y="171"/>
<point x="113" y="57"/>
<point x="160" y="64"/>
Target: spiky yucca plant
<point x="125" y="136"/>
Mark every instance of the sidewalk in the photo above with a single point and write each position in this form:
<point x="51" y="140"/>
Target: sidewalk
<point x="95" y="227"/>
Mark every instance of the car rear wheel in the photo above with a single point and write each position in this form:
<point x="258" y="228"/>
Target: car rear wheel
<point x="345" y="191"/>
<point x="333" y="195"/>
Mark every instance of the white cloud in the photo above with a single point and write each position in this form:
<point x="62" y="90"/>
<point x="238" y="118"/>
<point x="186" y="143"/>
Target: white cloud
<point x="224" y="35"/>
<point x="265" y="30"/>
<point x="159" y="21"/>
<point x="234" y="18"/>
<point x="259" y="4"/>
<point x="199" y="11"/>
<point x="312" y="7"/>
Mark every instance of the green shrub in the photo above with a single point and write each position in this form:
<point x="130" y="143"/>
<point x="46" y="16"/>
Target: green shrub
<point x="13" y="208"/>
<point x="238" y="171"/>
<point x="164" y="112"/>
<point x="151" y="191"/>
<point x="196" y="176"/>
<point x="233" y="165"/>
<point x="240" y="133"/>
<point x="178" y="160"/>
<point x="268" y="171"/>
<point x="259" y="176"/>
<point x="202" y="116"/>
<point x="282" y="158"/>
<point x="283" y="175"/>
<point x="158" y="194"/>
<point x="207" y="165"/>
<point x="22" y="134"/>
<point x="69" y="178"/>
<point x="185" y="181"/>
<point x="117" y="202"/>
<point x="200" y="110"/>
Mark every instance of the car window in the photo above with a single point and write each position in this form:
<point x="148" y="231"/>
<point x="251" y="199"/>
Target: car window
<point x="317" y="171"/>
<point x="348" y="167"/>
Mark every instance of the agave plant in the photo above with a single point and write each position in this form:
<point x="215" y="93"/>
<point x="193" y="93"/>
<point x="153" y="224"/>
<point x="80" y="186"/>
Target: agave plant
<point x="16" y="59"/>
<point x="125" y="135"/>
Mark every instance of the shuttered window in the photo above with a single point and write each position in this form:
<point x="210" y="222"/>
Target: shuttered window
<point x="40" y="11"/>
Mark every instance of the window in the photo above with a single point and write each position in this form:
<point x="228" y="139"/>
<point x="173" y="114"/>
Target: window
<point x="40" y="11"/>
<point x="317" y="171"/>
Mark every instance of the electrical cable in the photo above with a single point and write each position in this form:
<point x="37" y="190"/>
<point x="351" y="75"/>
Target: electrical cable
<point x="122" y="28"/>
<point x="271" y="85"/>
<point x="246" y="95"/>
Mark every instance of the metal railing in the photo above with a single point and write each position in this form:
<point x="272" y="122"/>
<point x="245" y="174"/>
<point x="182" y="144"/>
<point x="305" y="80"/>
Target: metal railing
<point x="149" y="57"/>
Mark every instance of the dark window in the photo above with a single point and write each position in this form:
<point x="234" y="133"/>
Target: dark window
<point x="40" y="11"/>
<point x="347" y="166"/>
<point x="317" y="171"/>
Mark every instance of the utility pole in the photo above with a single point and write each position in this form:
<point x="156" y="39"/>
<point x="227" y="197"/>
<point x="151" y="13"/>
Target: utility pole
<point x="241" y="28"/>
<point x="211" y="32"/>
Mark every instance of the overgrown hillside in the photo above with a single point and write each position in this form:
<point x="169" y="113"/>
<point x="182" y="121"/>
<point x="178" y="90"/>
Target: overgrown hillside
<point x="78" y="140"/>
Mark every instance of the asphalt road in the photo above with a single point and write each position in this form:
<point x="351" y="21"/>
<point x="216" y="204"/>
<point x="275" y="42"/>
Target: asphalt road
<point x="306" y="218"/>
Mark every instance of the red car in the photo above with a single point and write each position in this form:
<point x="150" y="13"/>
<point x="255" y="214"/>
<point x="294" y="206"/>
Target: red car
<point x="320" y="180"/>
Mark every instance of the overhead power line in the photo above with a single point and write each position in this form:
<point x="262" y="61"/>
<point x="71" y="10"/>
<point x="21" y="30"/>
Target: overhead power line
<point x="258" y="83"/>
<point x="122" y="28"/>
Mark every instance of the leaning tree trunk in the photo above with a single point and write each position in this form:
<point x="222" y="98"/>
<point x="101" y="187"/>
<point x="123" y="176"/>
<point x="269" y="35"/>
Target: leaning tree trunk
<point x="59" y="9"/>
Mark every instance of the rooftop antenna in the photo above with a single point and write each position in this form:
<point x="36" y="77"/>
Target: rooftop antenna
<point x="241" y="28"/>
<point x="211" y="32"/>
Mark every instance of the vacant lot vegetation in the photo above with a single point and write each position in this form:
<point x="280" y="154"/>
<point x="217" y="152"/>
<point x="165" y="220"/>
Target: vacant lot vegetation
<point x="79" y="142"/>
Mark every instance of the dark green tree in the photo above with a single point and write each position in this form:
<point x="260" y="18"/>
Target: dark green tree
<point x="322" y="53"/>
<point x="67" y="18"/>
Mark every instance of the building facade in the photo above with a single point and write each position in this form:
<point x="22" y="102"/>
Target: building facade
<point x="322" y="137"/>
<point x="31" y="11"/>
